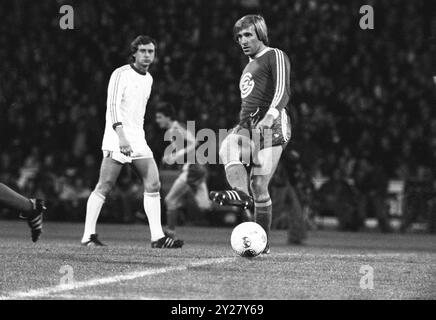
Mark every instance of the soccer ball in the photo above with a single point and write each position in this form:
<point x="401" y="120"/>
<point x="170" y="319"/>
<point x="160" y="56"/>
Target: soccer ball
<point x="248" y="239"/>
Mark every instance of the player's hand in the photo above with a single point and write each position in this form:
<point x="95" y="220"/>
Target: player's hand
<point x="265" y="123"/>
<point x="168" y="159"/>
<point x="125" y="147"/>
<point x="434" y="79"/>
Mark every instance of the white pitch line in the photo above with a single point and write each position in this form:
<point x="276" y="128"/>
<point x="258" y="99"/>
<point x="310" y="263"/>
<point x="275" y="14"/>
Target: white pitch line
<point x="108" y="280"/>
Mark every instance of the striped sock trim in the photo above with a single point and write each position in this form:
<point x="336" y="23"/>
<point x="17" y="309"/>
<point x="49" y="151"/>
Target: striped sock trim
<point x="232" y="163"/>
<point x="263" y="204"/>
<point x="98" y="194"/>
<point x="152" y="194"/>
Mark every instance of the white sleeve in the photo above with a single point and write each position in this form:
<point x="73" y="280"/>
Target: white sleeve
<point x="115" y="93"/>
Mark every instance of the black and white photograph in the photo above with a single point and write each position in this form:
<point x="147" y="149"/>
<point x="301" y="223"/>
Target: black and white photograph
<point x="217" y="154"/>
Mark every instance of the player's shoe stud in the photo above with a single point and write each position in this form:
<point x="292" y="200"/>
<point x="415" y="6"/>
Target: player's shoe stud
<point x="233" y="197"/>
<point x="93" y="242"/>
<point x="167" y="243"/>
<point x="35" y="218"/>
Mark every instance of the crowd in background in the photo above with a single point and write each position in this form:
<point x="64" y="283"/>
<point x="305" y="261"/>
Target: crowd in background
<point x="362" y="99"/>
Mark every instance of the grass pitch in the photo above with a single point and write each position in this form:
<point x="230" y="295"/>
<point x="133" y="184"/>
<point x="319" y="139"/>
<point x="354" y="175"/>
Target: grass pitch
<point x="328" y="266"/>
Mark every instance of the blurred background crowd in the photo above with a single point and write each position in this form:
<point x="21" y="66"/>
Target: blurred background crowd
<point x="362" y="100"/>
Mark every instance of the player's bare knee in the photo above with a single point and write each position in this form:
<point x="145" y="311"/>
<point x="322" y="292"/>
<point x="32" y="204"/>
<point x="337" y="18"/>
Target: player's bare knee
<point x="259" y="189"/>
<point x="152" y="186"/>
<point x="104" y="187"/>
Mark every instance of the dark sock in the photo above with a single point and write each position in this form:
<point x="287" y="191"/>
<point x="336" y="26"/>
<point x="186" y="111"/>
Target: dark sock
<point x="13" y="200"/>
<point x="172" y="216"/>
<point x="263" y="214"/>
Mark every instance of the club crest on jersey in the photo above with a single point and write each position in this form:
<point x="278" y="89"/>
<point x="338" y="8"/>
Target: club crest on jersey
<point x="246" y="84"/>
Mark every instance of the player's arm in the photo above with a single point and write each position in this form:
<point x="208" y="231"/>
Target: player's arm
<point x="115" y="94"/>
<point x="125" y="147"/>
<point x="281" y="73"/>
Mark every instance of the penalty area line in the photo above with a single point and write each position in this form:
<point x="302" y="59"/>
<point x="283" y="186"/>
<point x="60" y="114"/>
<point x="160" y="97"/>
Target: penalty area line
<point x="47" y="291"/>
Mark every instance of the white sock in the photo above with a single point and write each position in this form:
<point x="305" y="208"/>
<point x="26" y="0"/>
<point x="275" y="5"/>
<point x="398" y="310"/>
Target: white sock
<point x="152" y="210"/>
<point x="93" y="208"/>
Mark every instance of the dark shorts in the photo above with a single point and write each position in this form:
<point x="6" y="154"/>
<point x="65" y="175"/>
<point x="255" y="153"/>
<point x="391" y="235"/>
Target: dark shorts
<point x="280" y="130"/>
<point x="196" y="173"/>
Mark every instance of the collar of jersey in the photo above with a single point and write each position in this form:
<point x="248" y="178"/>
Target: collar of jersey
<point x="137" y="70"/>
<point x="259" y="54"/>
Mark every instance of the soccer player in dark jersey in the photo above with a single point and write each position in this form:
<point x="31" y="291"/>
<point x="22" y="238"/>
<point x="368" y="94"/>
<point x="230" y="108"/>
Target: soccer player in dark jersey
<point x="31" y="210"/>
<point x="191" y="183"/>
<point x="265" y="93"/>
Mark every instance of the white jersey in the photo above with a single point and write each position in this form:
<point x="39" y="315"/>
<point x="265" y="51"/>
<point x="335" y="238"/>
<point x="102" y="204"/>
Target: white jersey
<point x="127" y="96"/>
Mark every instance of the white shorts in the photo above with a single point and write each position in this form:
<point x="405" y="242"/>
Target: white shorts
<point x="121" y="158"/>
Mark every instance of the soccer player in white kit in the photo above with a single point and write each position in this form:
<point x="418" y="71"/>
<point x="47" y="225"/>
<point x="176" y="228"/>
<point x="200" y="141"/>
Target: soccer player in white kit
<point x="124" y="142"/>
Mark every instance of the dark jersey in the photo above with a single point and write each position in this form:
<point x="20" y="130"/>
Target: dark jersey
<point x="265" y="83"/>
<point x="196" y="173"/>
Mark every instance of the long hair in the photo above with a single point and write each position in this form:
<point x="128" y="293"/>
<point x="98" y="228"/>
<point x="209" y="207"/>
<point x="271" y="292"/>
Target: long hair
<point x="141" y="39"/>
<point x="252" y="20"/>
